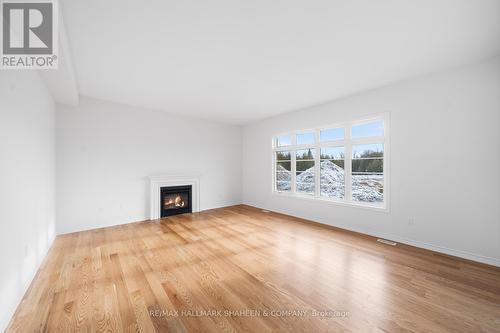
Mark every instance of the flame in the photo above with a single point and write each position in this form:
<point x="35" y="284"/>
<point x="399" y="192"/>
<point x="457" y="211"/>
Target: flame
<point x="177" y="202"/>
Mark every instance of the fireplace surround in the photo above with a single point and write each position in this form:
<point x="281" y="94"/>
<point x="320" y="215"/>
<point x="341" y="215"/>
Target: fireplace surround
<point x="156" y="182"/>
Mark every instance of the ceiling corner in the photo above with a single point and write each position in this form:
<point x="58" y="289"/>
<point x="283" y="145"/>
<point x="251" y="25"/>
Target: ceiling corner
<point x="62" y="82"/>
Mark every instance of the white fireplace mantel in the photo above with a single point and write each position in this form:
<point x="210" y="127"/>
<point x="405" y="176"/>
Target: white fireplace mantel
<point x="159" y="181"/>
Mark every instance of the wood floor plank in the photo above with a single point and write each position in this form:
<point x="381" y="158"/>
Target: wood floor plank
<point x="240" y="269"/>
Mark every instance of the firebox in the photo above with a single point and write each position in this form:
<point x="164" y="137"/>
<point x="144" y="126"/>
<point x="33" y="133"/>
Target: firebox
<point x="175" y="200"/>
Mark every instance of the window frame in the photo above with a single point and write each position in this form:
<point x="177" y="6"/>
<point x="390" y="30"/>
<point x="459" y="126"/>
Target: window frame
<point x="348" y="142"/>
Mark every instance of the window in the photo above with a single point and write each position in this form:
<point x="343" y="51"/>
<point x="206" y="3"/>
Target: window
<point x="371" y="129"/>
<point x="343" y="163"/>
<point x="283" y="171"/>
<point x="284" y="140"/>
<point x="305" y="138"/>
<point x="368" y="172"/>
<point x="305" y="179"/>
<point x="332" y="179"/>
<point x="331" y="134"/>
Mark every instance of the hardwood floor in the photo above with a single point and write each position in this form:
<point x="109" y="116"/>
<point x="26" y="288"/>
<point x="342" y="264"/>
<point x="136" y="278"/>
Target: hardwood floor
<point x="273" y="271"/>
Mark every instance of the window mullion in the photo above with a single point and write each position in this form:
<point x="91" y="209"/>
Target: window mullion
<point x="275" y="171"/>
<point x="317" y="168"/>
<point x="293" y="151"/>
<point x="348" y="165"/>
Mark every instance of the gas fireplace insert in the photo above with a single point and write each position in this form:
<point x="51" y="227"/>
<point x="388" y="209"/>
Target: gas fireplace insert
<point x="175" y="200"/>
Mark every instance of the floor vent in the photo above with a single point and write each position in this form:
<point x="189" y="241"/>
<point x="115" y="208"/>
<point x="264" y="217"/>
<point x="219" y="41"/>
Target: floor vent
<point x="265" y="211"/>
<point x="388" y="242"/>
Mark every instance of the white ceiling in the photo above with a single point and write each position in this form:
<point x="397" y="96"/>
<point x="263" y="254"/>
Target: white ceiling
<point x="239" y="61"/>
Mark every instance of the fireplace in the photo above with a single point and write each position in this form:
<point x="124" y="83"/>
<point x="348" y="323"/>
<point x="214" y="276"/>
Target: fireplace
<point x="175" y="200"/>
<point x="157" y="182"/>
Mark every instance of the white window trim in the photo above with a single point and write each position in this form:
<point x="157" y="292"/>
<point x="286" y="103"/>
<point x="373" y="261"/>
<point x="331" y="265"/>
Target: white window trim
<point x="347" y="143"/>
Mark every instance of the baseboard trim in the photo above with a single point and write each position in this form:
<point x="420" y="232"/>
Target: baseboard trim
<point x="441" y="249"/>
<point x="403" y="240"/>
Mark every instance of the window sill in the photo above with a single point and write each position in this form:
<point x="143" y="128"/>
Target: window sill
<point x="378" y="208"/>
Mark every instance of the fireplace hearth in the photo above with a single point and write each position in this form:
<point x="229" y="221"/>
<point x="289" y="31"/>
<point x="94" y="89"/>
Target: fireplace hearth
<point x="175" y="200"/>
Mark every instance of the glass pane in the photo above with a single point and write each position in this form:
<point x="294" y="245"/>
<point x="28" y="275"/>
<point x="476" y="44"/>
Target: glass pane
<point x="368" y="151"/>
<point x="368" y="188"/>
<point x="283" y="171"/>
<point x="305" y="170"/>
<point x="339" y="163"/>
<point x="368" y="165"/>
<point x="332" y="153"/>
<point x="305" y="181"/>
<point x="375" y="128"/>
<point x="305" y="138"/>
<point x="283" y="185"/>
<point x="332" y="181"/>
<point x="283" y="156"/>
<point x="283" y="174"/>
<point x="284" y="166"/>
<point x="284" y="140"/>
<point x="305" y="154"/>
<point x="305" y="165"/>
<point x="331" y="134"/>
<point x="367" y="173"/>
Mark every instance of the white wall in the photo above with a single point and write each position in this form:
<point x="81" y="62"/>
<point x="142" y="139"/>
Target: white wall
<point x="27" y="183"/>
<point x="106" y="151"/>
<point x="450" y="123"/>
